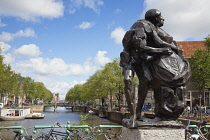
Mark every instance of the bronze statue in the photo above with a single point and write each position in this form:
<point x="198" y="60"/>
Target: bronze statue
<point x="152" y="54"/>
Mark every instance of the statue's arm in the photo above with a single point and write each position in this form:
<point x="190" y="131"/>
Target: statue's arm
<point x="162" y="43"/>
<point x="140" y="42"/>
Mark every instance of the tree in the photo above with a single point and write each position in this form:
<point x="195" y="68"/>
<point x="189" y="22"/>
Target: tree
<point x="41" y="92"/>
<point x="13" y="84"/>
<point x="94" y="88"/>
<point x="207" y="42"/>
<point x="200" y="65"/>
<point x="8" y="79"/>
<point x="74" y="93"/>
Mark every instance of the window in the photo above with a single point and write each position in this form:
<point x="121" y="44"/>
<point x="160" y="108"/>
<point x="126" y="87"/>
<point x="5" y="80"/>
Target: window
<point x="188" y="95"/>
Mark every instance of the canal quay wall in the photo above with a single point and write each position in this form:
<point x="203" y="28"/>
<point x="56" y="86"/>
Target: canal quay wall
<point x="37" y="108"/>
<point x="118" y="116"/>
<point x="115" y="116"/>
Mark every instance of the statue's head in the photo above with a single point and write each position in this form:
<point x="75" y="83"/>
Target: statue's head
<point x="154" y="16"/>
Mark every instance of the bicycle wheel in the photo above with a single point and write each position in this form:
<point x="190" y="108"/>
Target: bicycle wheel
<point x="119" y="136"/>
<point x="107" y="136"/>
<point x="87" y="138"/>
<point x="43" y="138"/>
<point x="17" y="137"/>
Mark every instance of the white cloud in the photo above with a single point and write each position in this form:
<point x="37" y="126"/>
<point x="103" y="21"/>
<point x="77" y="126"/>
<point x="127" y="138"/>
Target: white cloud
<point x="117" y="11"/>
<point x="86" y="25"/>
<point x="72" y="11"/>
<point x="57" y="86"/>
<point x="2" y="24"/>
<point x="31" y="10"/>
<point x="55" y="66"/>
<point x="48" y="71"/>
<point x="4" y="47"/>
<point x="61" y="87"/>
<point x="8" y="58"/>
<point x="100" y="59"/>
<point x="58" y="67"/>
<point x="5" y="36"/>
<point x="118" y="35"/>
<point x="183" y="19"/>
<point x="92" y="4"/>
<point x="30" y="50"/>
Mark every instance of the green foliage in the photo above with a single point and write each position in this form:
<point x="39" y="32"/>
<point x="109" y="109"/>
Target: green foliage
<point x="207" y="42"/>
<point x="113" y="80"/>
<point x="42" y="92"/>
<point x="8" y="79"/>
<point x="83" y="119"/>
<point x="200" y="65"/>
<point x="12" y="84"/>
<point x="74" y="93"/>
<point x="107" y="82"/>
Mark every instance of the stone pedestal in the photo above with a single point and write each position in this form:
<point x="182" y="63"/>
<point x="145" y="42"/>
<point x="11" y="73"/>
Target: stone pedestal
<point x="153" y="134"/>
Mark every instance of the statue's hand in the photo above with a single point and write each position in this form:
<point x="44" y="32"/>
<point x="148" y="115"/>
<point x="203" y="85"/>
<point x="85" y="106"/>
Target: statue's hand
<point x="167" y="51"/>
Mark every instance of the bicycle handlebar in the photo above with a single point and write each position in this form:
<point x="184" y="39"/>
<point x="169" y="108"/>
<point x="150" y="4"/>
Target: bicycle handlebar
<point x="66" y="126"/>
<point x="110" y="126"/>
<point x="11" y="127"/>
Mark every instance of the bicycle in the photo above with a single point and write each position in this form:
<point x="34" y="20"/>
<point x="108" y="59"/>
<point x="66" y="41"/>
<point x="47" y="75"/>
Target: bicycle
<point x="52" y="134"/>
<point x="80" y="132"/>
<point x="107" y="131"/>
<point x="110" y="133"/>
<point x="20" y="134"/>
<point x="193" y="132"/>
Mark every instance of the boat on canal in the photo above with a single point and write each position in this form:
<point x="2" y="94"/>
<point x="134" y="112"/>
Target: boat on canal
<point x="14" y="114"/>
<point x="68" y="108"/>
<point x="102" y="116"/>
<point x="35" y="116"/>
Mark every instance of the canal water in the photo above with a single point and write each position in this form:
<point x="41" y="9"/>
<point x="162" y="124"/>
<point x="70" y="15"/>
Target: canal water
<point x="61" y="115"/>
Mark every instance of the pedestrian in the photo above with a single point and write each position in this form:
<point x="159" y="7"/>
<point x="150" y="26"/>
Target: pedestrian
<point x="188" y="109"/>
<point x="196" y="110"/>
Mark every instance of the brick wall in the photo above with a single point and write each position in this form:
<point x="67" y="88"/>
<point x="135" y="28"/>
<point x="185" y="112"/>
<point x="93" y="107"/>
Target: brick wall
<point x="189" y="47"/>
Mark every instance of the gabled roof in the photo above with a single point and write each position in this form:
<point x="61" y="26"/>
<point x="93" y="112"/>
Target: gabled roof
<point x="189" y="47"/>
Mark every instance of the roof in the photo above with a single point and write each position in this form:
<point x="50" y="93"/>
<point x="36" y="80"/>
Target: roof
<point x="189" y="47"/>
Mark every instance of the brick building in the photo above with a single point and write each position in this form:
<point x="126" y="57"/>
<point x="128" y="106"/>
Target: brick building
<point x="188" y="48"/>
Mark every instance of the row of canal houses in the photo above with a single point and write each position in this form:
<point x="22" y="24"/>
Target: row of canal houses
<point x="19" y="101"/>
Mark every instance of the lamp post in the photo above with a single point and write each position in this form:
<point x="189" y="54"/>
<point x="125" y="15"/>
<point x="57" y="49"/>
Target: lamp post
<point x="200" y="96"/>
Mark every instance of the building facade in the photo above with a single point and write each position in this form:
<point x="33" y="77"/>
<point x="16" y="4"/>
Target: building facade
<point x="56" y="98"/>
<point x="193" y="97"/>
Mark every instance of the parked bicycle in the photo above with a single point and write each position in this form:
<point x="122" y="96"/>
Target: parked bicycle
<point x="80" y="132"/>
<point x="52" y="134"/>
<point x="110" y="132"/>
<point x="20" y="133"/>
<point x="193" y="132"/>
<point x="70" y="132"/>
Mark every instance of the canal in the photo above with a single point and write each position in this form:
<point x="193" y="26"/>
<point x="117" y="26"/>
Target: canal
<point x="61" y="115"/>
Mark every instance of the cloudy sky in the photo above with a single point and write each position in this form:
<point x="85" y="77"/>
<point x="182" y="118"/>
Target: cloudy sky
<point x="62" y="42"/>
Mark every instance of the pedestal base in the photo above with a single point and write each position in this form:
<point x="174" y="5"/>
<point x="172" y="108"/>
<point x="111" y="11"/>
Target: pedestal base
<point x="153" y="134"/>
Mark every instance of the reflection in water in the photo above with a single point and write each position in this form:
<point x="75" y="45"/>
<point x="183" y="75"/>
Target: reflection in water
<point x="61" y="115"/>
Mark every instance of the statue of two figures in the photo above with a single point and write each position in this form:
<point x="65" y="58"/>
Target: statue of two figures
<point x="153" y="55"/>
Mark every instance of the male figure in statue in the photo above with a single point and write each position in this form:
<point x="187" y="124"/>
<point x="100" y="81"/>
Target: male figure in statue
<point x="144" y="43"/>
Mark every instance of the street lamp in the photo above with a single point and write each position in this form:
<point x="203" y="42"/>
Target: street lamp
<point x="200" y="96"/>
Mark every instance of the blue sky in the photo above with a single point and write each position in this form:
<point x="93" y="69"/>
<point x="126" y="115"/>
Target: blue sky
<point x="62" y="42"/>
